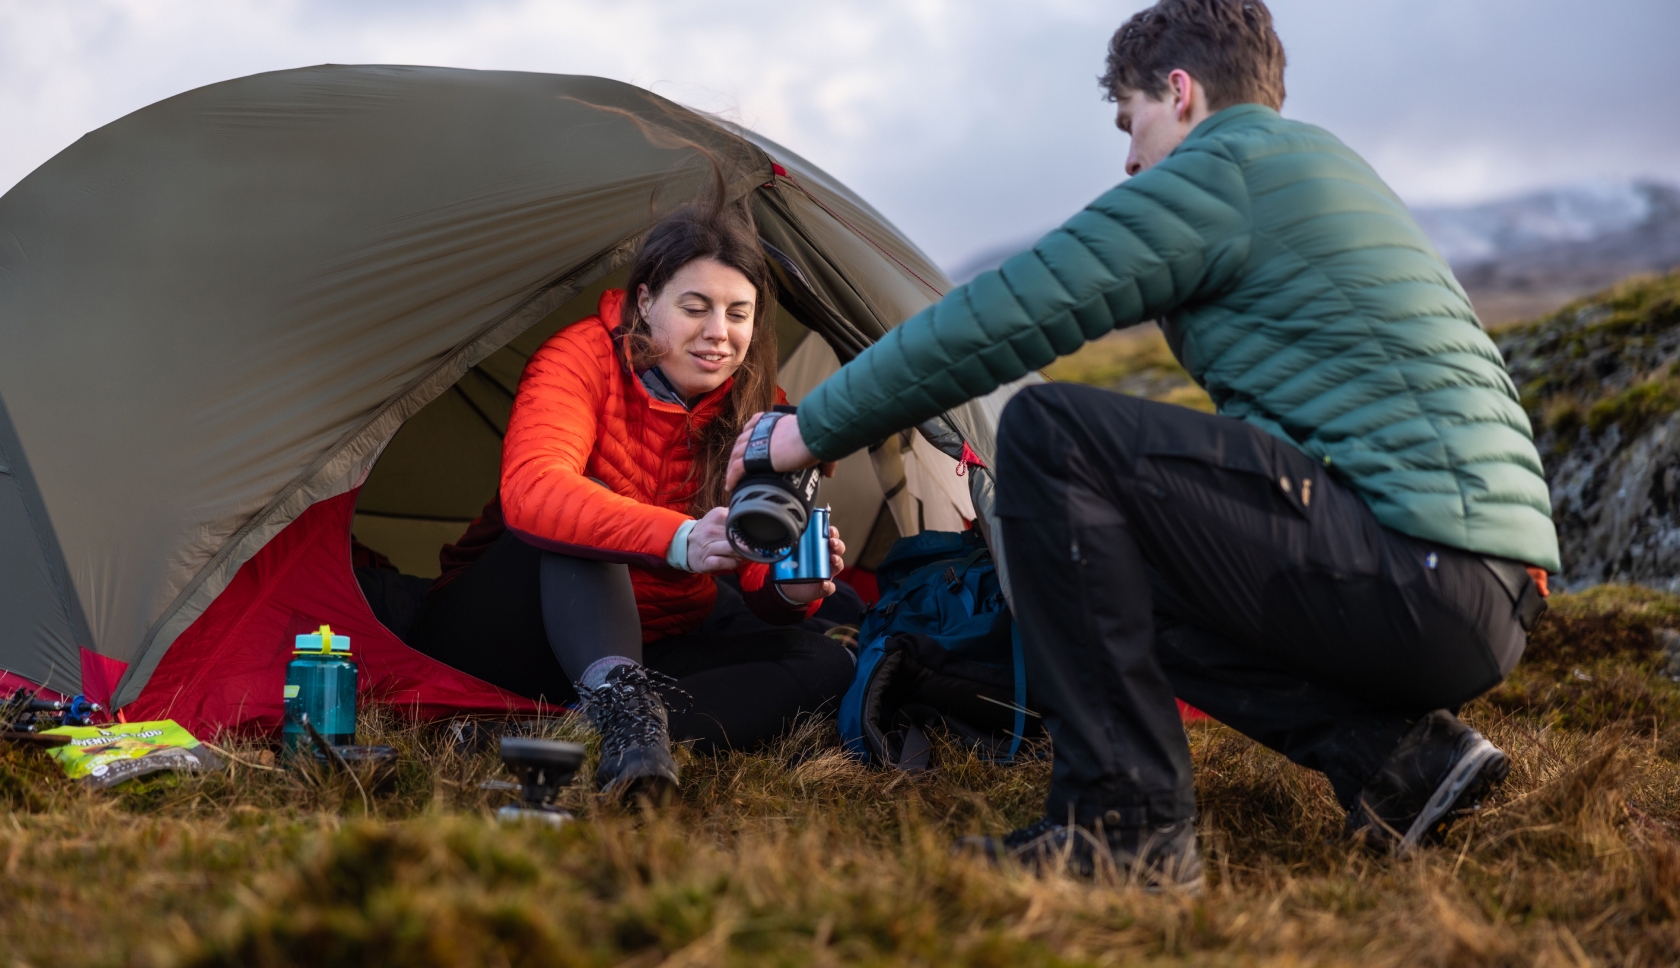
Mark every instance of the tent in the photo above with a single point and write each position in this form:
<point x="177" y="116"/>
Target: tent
<point x="244" y="322"/>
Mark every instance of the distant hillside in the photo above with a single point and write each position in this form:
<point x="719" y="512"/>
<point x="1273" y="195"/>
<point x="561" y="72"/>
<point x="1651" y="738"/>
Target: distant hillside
<point x="1526" y="256"/>
<point x="1134" y="361"/>
<point x="1600" y="381"/>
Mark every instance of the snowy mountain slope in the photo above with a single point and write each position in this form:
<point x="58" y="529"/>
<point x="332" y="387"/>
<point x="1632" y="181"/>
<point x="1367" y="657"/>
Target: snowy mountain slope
<point x="1583" y="235"/>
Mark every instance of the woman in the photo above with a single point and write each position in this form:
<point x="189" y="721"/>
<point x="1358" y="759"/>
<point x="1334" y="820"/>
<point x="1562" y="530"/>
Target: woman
<point x="604" y="566"/>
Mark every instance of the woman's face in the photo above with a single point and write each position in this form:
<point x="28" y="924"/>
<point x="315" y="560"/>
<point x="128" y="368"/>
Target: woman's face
<point x="702" y="323"/>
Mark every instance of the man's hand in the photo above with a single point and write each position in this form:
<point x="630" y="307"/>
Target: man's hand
<point x="709" y="549"/>
<point x="787" y="450"/>
<point x="805" y="592"/>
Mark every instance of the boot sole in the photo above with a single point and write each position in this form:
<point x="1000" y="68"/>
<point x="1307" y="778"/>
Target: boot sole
<point x="1482" y="767"/>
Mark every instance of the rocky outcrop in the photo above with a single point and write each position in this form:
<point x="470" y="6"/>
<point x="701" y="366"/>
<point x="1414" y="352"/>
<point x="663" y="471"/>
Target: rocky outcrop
<point x="1601" y="384"/>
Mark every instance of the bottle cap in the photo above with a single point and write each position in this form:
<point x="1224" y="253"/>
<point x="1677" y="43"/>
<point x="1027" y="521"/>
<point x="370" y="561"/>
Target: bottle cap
<point x="323" y="642"/>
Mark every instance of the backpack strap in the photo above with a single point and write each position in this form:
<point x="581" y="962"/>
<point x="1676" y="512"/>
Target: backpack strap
<point x="916" y="755"/>
<point x="918" y="577"/>
<point x="1020" y="658"/>
<point x="957" y="575"/>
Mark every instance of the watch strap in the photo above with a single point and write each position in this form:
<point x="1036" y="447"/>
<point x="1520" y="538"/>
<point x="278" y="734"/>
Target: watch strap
<point x="756" y="459"/>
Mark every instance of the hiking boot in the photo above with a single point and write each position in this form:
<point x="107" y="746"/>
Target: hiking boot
<point x="1158" y="857"/>
<point x="629" y="713"/>
<point x="1439" y="772"/>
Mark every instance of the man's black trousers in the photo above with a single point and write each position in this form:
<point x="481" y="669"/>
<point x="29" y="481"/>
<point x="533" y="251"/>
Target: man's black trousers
<point x="1156" y="551"/>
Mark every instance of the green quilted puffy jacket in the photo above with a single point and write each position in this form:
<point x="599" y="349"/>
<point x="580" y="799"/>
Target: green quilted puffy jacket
<point x="1294" y="286"/>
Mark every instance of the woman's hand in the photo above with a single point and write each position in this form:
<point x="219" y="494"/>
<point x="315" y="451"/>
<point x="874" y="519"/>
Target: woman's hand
<point x="805" y="592"/>
<point x="709" y="549"/>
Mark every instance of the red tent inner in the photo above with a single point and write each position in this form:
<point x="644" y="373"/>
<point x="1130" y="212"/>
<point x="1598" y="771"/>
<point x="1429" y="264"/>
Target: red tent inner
<point x="228" y="669"/>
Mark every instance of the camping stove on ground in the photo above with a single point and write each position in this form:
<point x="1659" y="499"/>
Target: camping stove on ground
<point x="25" y="715"/>
<point x="544" y="767"/>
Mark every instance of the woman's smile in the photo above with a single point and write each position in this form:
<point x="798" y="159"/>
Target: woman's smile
<point x="712" y="361"/>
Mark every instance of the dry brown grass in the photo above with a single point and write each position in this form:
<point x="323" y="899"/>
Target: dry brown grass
<point x="800" y="856"/>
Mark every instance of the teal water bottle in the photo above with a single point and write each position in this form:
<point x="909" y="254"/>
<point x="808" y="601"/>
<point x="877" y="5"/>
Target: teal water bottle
<point x="321" y="681"/>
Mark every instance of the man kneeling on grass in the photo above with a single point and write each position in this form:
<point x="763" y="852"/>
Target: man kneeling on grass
<point x="1350" y="551"/>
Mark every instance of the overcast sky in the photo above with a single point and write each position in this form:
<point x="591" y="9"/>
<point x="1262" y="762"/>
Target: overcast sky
<point x="970" y="123"/>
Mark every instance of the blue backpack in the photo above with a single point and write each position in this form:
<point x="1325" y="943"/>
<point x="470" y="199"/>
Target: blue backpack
<point x="938" y="648"/>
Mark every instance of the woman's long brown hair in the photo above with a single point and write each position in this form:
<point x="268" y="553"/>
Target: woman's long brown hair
<point x="708" y="229"/>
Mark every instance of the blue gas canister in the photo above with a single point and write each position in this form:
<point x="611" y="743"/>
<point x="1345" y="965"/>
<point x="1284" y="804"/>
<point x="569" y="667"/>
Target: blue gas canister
<point x="321" y="681"/>
<point x="808" y="561"/>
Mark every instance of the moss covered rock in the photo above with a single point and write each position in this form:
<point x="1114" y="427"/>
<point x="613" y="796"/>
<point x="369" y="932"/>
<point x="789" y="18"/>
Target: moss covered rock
<point x="1600" y="379"/>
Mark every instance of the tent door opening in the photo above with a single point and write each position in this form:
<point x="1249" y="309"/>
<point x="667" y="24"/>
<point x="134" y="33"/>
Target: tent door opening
<point x="444" y="464"/>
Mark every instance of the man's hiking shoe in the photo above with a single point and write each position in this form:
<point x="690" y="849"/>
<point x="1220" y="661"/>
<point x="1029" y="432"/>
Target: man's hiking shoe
<point x="1439" y="772"/>
<point x="629" y="713"/>
<point x="1158" y="858"/>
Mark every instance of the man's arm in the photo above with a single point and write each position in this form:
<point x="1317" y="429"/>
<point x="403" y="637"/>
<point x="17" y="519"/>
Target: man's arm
<point x="1167" y="236"/>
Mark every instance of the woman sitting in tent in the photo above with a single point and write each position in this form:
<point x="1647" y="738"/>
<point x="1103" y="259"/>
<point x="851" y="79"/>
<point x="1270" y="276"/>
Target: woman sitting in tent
<point x="605" y="563"/>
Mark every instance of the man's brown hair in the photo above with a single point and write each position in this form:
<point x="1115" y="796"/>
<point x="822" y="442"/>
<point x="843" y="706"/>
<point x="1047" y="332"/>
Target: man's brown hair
<point x="1228" y="45"/>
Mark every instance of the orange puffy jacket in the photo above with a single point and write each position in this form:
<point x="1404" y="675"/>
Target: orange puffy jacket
<point x="581" y="414"/>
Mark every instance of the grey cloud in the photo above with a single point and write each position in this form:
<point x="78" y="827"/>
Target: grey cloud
<point x="1453" y="101"/>
<point x="970" y="123"/>
<point x="1544" y="91"/>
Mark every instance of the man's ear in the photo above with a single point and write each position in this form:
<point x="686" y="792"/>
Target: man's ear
<point x="1184" y="94"/>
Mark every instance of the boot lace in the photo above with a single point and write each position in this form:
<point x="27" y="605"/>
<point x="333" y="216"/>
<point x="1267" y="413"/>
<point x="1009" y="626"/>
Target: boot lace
<point x="626" y="708"/>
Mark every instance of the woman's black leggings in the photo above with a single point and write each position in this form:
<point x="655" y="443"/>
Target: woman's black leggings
<point x="531" y="621"/>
